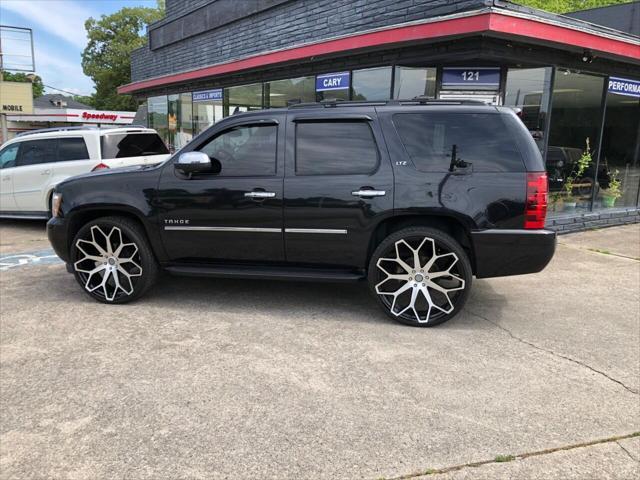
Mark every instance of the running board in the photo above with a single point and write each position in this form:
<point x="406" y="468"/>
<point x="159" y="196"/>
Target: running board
<point x="268" y="273"/>
<point x="24" y="215"/>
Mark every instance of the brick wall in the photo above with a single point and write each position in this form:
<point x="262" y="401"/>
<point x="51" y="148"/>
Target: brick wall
<point x="607" y="218"/>
<point x="287" y="24"/>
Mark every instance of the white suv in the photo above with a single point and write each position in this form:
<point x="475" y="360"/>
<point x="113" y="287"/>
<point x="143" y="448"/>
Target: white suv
<point x="33" y="163"/>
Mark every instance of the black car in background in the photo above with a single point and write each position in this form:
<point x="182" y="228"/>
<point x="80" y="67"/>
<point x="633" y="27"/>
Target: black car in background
<point x="415" y="197"/>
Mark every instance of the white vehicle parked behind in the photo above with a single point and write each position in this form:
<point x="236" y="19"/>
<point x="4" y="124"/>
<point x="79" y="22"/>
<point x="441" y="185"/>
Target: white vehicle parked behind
<point x="33" y="163"/>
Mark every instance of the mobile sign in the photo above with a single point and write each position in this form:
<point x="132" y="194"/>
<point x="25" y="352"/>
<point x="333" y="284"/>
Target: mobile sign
<point x="207" y="95"/>
<point x="332" y="81"/>
<point x="477" y="77"/>
<point x="624" y="86"/>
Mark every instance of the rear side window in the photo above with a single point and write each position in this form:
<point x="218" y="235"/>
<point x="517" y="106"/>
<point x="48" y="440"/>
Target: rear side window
<point x="35" y="152"/>
<point x="479" y="139"/>
<point x="335" y="148"/>
<point x="72" y="149"/>
<point x="125" y="145"/>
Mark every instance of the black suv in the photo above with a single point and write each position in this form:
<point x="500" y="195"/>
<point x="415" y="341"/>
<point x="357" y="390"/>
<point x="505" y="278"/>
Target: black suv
<point x="416" y="197"/>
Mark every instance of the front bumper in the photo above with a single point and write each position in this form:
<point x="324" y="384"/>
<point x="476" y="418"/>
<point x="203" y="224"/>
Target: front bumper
<point x="500" y="253"/>
<point x="58" y="234"/>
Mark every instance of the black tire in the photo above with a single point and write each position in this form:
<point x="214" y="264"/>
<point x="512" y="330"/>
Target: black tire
<point x="135" y="269"/>
<point x="457" y="285"/>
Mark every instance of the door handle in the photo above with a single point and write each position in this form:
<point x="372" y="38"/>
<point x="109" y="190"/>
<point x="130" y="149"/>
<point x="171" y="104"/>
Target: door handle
<point x="6" y="179"/>
<point x="260" y="194"/>
<point x="46" y="172"/>
<point x="368" y="193"/>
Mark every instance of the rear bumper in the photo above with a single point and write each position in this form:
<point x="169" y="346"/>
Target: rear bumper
<point x="499" y="253"/>
<point x="57" y="232"/>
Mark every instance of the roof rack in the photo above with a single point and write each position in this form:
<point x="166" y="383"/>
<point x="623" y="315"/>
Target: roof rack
<point x="67" y="129"/>
<point x="332" y="103"/>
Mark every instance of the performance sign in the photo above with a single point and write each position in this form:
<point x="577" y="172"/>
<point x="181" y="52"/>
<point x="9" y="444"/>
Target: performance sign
<point x="624" y="86"/>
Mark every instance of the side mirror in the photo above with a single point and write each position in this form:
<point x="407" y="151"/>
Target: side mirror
<point x="197" y="162"/>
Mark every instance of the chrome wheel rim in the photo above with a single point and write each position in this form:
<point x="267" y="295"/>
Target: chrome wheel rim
<point x="419" y="280"/>
<point x="108" y="264"/>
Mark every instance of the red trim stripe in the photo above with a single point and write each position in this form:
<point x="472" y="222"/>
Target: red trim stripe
<point x="484" y="22"/>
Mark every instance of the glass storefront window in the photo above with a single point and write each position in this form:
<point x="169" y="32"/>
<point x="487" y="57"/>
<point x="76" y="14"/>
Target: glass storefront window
<point x="157" y="116"/>
<point x="371" y="84"/>
<point x="207" y="109"/>
<point x="576" y="114"/>
<point x="280" y="93"/>
<point x="528" y="89"/>
<point x="242" y="98"/>
<point x="412" y="82"/>
<point x="619" y="169"/>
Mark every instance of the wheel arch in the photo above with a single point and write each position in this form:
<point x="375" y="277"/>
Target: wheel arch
<point x="81" y="217"/>
<point x="447" y="223"/>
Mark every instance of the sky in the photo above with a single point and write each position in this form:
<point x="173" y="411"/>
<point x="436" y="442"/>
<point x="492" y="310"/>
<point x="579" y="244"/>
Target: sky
<point x="59" y="36"/>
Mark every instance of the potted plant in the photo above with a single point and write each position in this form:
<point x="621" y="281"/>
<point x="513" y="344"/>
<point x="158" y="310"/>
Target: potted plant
<point x="583" y="163"/>
<point x="611" y="194"/>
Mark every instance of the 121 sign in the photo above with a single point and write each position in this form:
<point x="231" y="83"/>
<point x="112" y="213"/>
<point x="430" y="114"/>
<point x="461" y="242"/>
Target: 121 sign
<point x="482" y="77"/>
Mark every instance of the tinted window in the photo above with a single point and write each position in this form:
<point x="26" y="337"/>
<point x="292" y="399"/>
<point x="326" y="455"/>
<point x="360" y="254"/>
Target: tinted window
<point x="124" y="145"/>
<point x="245" y="151"/>
<point x="479" y="139"/>
<point x="335" y="148"/>
<point x="8" y="156"/>
<point x="35" y="152"/>
<point x="72" y="149"/>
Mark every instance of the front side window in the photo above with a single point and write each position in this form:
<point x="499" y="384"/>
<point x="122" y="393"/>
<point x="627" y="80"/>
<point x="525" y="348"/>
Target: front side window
<point x="35" y="152"/>
<point x="480" y="141"/>
<point x="126" y="145"/>
<point x="8" y="156"/>
<point x="335" y="148"/>
<point x="245" y="151"/>
<point x="72" y="149"/>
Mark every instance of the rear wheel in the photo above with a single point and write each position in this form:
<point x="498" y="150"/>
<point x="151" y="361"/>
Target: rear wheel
<point x="420" y="276"/>
<point x="112" y="260"/>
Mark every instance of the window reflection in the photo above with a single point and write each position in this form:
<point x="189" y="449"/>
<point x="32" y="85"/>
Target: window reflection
<point x="413" y="82"/>
<point x="280" y="93"/>
<point x="528" y="90"/>
<point x="372" y="84"/>
<point x="619" y="175"/>
<point x="575" y="122"/>
<point x="242" y="98"/>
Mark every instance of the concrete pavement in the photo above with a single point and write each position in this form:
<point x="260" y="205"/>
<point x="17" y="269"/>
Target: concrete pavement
<point x="234" y="379"/>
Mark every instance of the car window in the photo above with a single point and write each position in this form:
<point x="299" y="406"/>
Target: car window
<point x="8" y="156"/>
<point x="125" y="145"/>
<point x="481" y="140"/>
<point x="35" y="152"/>
<point x="247" y="150"/>
<point x="72" y="149"/>
<point x="335" y="148"/>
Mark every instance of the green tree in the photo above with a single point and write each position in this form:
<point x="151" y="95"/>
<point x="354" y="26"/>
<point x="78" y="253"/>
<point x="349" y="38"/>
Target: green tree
<point x="107" y="57"/>
<point x="86" y="99"/>
<point x="565" y="6"/>
<point x="38" y="86"/>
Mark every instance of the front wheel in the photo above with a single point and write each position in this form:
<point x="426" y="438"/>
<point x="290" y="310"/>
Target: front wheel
<point x="112" y="260"/>
<point x="420" y="276"/>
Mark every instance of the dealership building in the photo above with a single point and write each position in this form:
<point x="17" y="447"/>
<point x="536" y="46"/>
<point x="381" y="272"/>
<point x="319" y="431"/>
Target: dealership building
<point x="574" y="79"/>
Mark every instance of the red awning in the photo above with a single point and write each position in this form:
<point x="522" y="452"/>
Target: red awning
<point x="525" y="28"/>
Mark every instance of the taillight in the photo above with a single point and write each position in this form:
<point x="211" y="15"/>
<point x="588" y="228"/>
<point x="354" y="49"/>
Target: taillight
<point x="536" y="207"/>
<point x="100" y="166"/>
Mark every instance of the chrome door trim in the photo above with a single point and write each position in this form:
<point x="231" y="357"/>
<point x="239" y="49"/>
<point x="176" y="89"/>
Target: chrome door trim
<point x="316" y="230"/>
<point x="223" y="229"/>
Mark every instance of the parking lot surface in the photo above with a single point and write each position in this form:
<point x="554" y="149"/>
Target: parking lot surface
<point x="539" y="376"/>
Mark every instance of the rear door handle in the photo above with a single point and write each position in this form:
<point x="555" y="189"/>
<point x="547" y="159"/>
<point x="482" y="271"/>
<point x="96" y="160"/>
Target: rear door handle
<point x="368" y="193"/>
<point x="260" y="194"/>
<point x="46" y="172"/>
<point x="6" y="179"/>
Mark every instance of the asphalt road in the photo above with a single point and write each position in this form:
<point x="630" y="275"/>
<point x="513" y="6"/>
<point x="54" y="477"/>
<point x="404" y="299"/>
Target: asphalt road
<point x="230" y="379"/>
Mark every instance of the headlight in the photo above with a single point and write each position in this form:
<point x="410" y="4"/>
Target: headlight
<point x="56" y="203"/>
